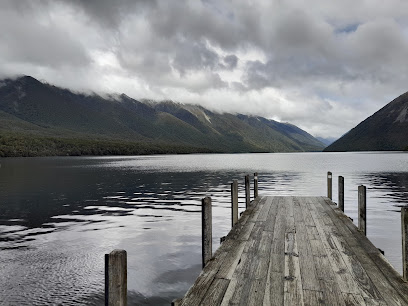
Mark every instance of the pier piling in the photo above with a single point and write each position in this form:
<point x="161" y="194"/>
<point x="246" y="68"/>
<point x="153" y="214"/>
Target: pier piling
<point x="329" y="185"/>
<point x="247" y="192"/>
<point x="116" y="278"/>
<point x="341" y="193"/>
<point x="255" y="185"/>
<point x="206" y="226"/>
<point x="234" y="202"/>
<point x="404" y="233"/>
<point x="362" y="209"/>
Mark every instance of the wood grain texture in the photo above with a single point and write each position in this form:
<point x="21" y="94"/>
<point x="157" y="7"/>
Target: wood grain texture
<point x="206" y="229"/>
<point x="297" y="251"/>
<point x="362" y="209"/>
<point x="117" y="272"/>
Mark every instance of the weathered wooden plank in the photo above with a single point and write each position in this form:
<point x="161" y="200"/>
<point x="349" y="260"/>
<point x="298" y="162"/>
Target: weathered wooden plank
<point x="343" y="278"/>
<point x="349" y="258"/>
<point x="215" y="292"/>
<point x="229" y="292"/>
<point x="332" y="294"/>
<point x="369" y="256"/>
<point x="264" y="210"/>
<point x="353" y="299"/>
<point x="274" y="286"/>
<point x="273" y="212"/>
<point x="278" y="246"/>
<point x="354" y="267"/>
<point x="306" y="262"/>
<point x="200" y="287"/>
<point x="238" y="290"/>
<point x="293" y="292"/>
<point x="256" y="292"/>
<point x="229" y="265"/>
<point x="258" y="204"/>
<point x="313" y="298"/>
<point x="274" y="289"/>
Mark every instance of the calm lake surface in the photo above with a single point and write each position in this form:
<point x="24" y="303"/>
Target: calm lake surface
<point x="59" y="216"/>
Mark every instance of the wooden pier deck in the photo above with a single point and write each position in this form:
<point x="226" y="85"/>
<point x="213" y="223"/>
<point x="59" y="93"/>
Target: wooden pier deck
<point x="297" y="251"/>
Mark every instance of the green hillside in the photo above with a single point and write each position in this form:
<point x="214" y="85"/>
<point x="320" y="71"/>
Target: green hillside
<point x="41" y="119"/>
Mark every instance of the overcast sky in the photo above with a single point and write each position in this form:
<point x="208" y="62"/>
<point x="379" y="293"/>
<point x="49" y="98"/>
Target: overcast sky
<point x="321" y="65"/>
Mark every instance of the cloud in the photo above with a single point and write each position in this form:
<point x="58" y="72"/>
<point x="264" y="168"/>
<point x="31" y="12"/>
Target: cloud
<point x="312" y="65"/>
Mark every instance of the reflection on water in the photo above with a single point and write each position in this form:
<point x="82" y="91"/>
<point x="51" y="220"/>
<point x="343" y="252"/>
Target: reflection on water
<point x="58" y="216"/>
<point x="390" y="186"/>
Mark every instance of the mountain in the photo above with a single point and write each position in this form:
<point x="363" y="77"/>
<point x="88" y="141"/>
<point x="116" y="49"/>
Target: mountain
<point x="41" y="119"/>
<point x="386" y="130"/>
<point x="326" y="141"/>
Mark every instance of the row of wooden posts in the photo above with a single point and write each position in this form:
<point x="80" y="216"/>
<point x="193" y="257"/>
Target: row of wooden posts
<point x="116" y="261"/>
<point x="206" y="214"/>
<point x="362" y="216"/>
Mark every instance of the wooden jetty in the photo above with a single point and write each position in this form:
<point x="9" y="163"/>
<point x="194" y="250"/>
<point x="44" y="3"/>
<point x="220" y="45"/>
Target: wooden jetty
<point x="286" y="251"/>
<point x="296" y="251"/>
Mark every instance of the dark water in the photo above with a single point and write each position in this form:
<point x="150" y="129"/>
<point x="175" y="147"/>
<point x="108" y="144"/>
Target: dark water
<point x="59" y="216"/>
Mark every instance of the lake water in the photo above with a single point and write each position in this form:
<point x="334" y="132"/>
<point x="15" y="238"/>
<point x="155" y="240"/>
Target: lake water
<point x="59" y="216"/>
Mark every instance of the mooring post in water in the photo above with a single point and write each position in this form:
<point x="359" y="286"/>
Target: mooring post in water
<point x="116" y="278"/>
<point x="341" y="193"/>
<point x="206" y="227"/>
<point x="176" y="302"/>
<point x="362" y="209"/>
<point x="255" y="185"/>
<point x="329" y="185"/>
<point x="234" y="202"/>
<point x="404" y="233"/>
<point x="247" y="192"/>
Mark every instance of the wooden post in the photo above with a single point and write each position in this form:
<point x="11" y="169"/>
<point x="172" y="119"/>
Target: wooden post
<point x="176" y="302"/>
<point x="329" y="185"/>
<point x="206" y="226"/>
<point x="341" y="193"/>
<point x="255" y="185"/>
<point x="247" y="192"/>
<point x="116" y="278"/>
<point x="362" y="209"/>
<point x="234" y="202"/>
<point x="404" y="228"/>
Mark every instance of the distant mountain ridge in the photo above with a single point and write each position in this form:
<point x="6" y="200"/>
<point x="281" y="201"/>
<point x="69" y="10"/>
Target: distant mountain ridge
<point x="29" y="108"/>
<point x="385" y="130"/>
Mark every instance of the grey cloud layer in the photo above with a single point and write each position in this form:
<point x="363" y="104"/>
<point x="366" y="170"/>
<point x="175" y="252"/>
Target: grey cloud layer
<point x="295" y="62"/>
